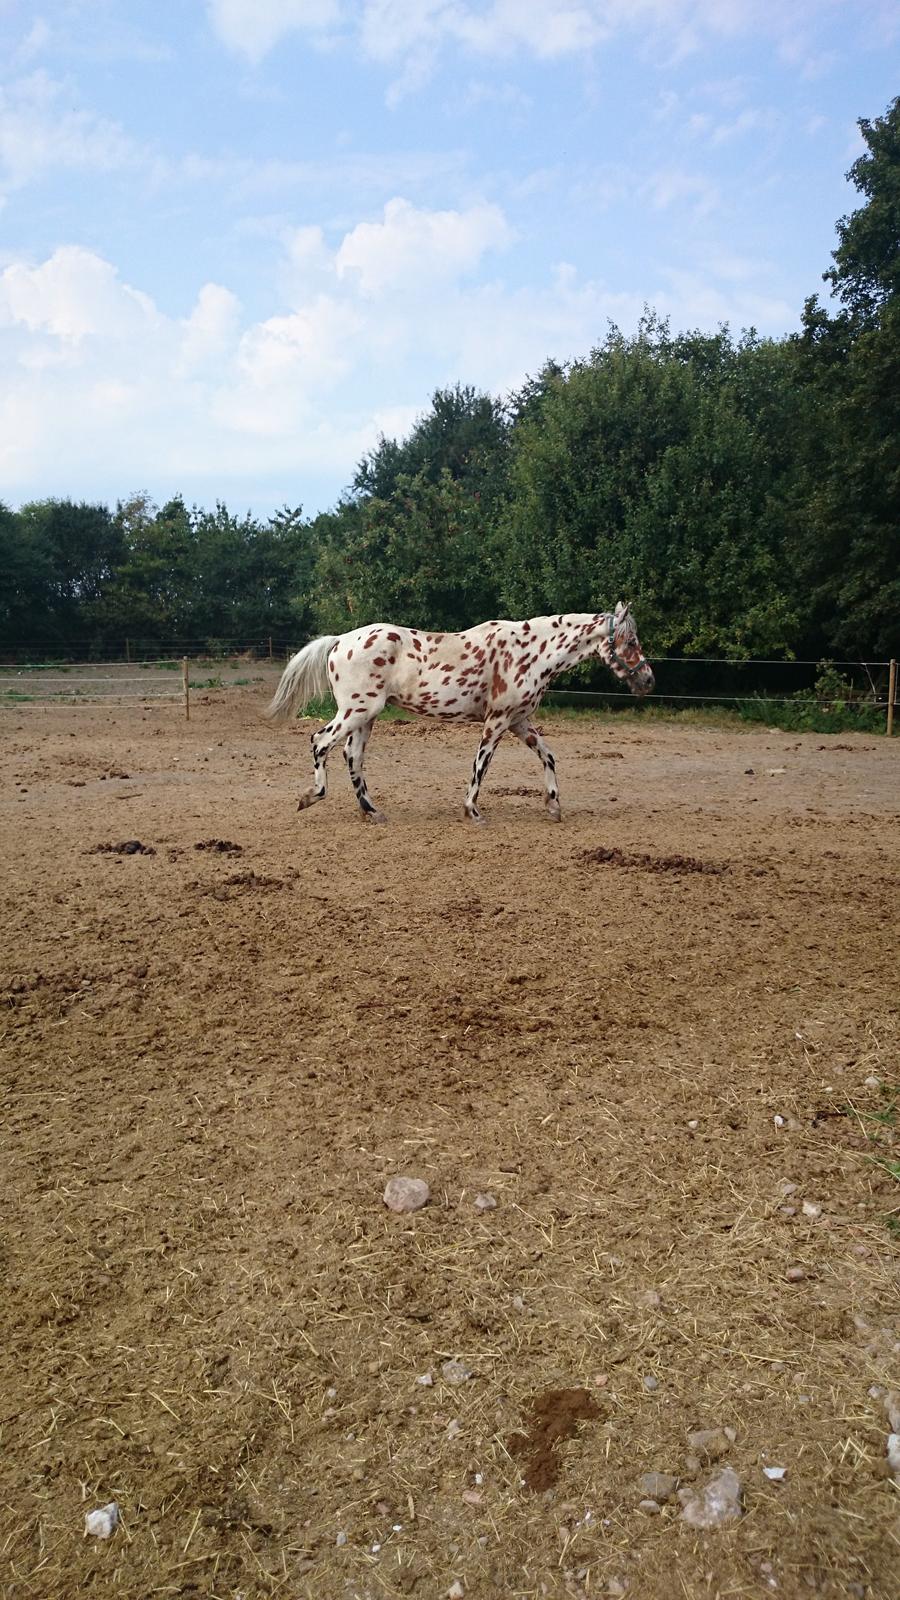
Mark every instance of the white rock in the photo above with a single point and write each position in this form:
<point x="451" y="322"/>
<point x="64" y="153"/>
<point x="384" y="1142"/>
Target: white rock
<point x="102" y="1522"/>
<point x="810" y="1209"/>
<point x="406" y="1194"/>
<point x="455" y="1591"/>
<point x="892" y="1407"/>
<point x="715" y="1503"/>
<point x="650" y="1383"/>
<point x="872" y="1082"/>
<point x="425" y="1379"/>
<point x="649" y="1507"/>
<point x="341" y="1539"/>
<point x="456" y="1372"/>
<point x="659" y="1486"/>
<point x="454" y="1429"/>
<point x="778" y="1121"/>
<point x="776" y="1474"/>
<point x="485" y="1202"/>
<point x="694" y="1124"/>
<point x="893" y="1453"/>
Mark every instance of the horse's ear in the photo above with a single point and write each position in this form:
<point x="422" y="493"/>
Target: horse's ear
<point x="621" y="608"/>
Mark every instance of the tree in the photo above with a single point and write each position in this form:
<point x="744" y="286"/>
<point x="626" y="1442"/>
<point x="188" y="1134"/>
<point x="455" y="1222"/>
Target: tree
<point x="851" y="366"/>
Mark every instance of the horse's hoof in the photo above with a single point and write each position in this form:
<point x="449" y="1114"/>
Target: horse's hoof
<point x="554" y="814"/>
<point x="474" y="816"/>
<point x="307" y="799"/>
<point x="374" y="816"/>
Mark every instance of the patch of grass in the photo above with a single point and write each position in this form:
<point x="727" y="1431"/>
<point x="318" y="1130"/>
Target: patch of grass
<point x="206" y="683"/>
<point x="881" y="1127"/>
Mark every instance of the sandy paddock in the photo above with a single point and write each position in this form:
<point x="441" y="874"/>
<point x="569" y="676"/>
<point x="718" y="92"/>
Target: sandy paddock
<point x="651" y="1034"/>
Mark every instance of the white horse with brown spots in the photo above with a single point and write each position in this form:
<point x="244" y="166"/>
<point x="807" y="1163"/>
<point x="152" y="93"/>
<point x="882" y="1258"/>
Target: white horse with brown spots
<point x="494" y="674"/>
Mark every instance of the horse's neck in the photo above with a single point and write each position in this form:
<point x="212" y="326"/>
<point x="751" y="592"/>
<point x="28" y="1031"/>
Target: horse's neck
<point x="576" y="637"/>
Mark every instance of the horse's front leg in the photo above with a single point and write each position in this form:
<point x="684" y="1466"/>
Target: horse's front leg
<point x="496" y="724"/>
<point x="354" y="755"/>
<point x="527" y="732"/>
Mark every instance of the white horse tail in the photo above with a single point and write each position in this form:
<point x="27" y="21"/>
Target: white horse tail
<point x="304" y="677"/>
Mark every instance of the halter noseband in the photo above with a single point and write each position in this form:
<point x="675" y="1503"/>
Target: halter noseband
<point x="630" y="672"/>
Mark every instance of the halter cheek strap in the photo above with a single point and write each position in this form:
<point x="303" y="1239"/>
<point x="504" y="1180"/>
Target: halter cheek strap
<point x="630" y="672"/>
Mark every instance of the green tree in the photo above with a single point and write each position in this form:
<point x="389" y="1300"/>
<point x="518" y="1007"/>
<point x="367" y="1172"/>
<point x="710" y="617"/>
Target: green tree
<point x="850" y="559"/>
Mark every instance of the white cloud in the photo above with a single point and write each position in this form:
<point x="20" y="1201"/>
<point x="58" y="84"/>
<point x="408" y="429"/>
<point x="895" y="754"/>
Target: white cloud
<point x="103" y="387"/>
<point x="411" y="250"/>
<point x="72" y="295"/>
<point x="411" y="34"/>
<point x="254" y="27"/>
<point x="39" y="131"/>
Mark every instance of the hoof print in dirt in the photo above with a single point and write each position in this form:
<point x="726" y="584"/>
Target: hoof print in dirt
<point x="554" y="1419"/>
<point x="613" y="857"/>
<point x="129" y="847"/>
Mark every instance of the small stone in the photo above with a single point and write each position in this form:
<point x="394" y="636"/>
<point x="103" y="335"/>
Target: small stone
<point x="601" y="1379"/>
<point x="517" y="1303"/>
<point x="455" y="1591"/>
<point x="810" y="1209"/>
<point x="778" y="1121"/>
<point x="786" y="1188"/>
<point x="691" y="1466"/>
<point x="650" y="1383"/>
<point x="749" y="772"/>
<point x="471" y="1497"/>
<point x="651" y="1299"/>
<point x="715" y="1504"/>
<point x="649" y="1507"/>
<point x="456" y="1372"/>
<point x="709" y="1443"/>
<point x="872" y="1082"/>
<point x="341" y="1539"/>
<point x="658" y="1485"/>
<point x="454" y="1429"/>
<point x="406" y="1194"/>
<point x="426" y="1380"/>
<point x="776" y="1474"/>
<point x="787" y="1211"/>
<point x="892" y="1407"/>
<point x="102" y="1522"/>
<point x="694" y="1124"/>
<point x="893" y="1453"/>
<point x="485" y="1202"/>
<point x="777" y="772"/>
<point x="795" y="1274"/>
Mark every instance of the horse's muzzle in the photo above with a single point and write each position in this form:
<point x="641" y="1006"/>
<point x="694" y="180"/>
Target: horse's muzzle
<point x="643" y="681"/>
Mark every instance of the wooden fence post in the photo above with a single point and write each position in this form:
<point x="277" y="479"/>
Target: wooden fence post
<point x="892" y="695"/>
<point x="127" y="651"/>
<point x="187" y="688"/>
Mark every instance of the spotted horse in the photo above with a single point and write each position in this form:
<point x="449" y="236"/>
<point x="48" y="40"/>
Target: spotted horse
<point x="494" y="674"/>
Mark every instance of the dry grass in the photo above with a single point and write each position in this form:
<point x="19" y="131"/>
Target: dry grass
<point x="211" y="1318"/>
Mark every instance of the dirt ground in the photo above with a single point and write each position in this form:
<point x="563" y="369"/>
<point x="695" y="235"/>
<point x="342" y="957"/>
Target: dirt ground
<point x="669" y="1079"/>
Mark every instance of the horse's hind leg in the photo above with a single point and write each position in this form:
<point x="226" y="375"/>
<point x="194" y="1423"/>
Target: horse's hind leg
<point x="525" y="730"/>
<point x="321" y="744"/>
<point x="354" y="755"/>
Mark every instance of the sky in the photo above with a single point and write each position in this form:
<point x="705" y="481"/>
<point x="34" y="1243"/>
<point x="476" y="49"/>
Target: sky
<point x="241" y="240"/>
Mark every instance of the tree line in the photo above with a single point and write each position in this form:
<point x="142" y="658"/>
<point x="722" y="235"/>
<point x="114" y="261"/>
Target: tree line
<point x="742" y="492"/>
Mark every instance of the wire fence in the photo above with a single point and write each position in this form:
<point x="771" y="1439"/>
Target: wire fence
<point x="869" y="691"/>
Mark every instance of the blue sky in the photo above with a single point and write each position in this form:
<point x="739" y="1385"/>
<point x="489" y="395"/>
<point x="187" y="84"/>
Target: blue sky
<point x="239" y="239"/>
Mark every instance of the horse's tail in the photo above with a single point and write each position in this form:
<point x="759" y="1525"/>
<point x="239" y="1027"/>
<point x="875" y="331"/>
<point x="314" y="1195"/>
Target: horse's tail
<point x="305" y="676"/>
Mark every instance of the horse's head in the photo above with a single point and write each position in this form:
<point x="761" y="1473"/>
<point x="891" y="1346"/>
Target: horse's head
<point x="620" y="649"/>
